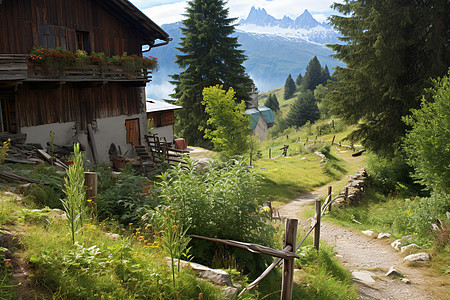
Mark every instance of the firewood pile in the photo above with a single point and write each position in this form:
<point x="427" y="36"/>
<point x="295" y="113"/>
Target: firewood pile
<point x="31" y="154"/>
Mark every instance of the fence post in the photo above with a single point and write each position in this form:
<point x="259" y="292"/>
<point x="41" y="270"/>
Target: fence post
<point x="345" y="193"/>
<point x="317" y="226"/>
<point x="90" y="181"/>
<point x="270" y="153"/>
<point x="329" y="196"/>
<point x="288" y="265"/>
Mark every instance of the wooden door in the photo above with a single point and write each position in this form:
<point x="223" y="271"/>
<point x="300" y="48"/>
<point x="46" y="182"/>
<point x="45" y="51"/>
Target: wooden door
<point x="133" y="132"/>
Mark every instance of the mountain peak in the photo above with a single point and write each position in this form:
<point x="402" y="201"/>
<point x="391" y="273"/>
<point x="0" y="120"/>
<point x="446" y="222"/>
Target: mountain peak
<point x="306" y="20"/>
<point x="260" y="17"/>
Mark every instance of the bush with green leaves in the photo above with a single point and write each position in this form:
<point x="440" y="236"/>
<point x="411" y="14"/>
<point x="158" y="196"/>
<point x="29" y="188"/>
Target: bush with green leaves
<point x="122" y="196"/>
<point x="221" y="202"/>
<point x="427" y="144"/>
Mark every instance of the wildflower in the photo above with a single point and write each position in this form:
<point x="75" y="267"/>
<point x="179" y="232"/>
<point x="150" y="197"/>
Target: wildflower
<point x="174" y="227"/>
<point x="130" y="224"/>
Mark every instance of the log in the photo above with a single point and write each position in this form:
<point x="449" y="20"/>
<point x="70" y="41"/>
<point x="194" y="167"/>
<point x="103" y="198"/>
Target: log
<point x="20" y="178"/>
<point x="358" y="153"/>
<point x="19" y="161"/>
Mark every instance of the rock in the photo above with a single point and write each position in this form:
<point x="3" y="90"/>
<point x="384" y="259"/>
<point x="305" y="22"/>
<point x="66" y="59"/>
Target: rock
<point x="6" y="253"/>
<point x="418" y="257"/>
<point x="216" y="276"/>
<point x="396" y="244"/>
<point x="384" y="235"/>
<point x="394" y="273"/>
<point x="405" y="280"/>
<point x="363" y="276"/>
<point x="369" y="233"/>
<point x="410" y="246"/>
<point x="230" y="292"/>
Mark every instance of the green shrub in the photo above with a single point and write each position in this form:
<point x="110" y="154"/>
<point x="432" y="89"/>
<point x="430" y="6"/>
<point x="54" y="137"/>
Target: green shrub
<point x="123" y="197"/>
<point x="221" y="202"/>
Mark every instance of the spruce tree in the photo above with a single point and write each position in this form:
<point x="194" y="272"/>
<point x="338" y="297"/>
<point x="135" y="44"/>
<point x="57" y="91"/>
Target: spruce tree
<point x="298" y="81"/>
<point x="325" y="75"/>
<point x="391" y="48"/>
<point x="313" y="76"/>
<point x="210" y="56"/>
<point x="304" y="109"/>
<point x="289" y="87"/>
<point x="272" y="103"/>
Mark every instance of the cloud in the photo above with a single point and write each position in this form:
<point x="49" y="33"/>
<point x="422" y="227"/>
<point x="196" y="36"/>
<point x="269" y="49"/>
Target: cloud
<point x="165" y="11"/>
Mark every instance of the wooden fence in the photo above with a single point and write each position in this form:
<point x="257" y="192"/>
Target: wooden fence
<point x="287" y="255"/>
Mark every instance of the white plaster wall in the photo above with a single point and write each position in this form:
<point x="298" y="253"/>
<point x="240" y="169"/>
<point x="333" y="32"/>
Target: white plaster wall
<point x="106" y="131"/>
<point x="261" y="128"/>
<point x="63" y="132"/>
<point x="165" y="131"/>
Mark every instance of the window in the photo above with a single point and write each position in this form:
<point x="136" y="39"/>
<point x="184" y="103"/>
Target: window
<point x="82" y="39"/>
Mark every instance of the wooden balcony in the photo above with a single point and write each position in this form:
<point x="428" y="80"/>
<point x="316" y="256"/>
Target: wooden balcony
<point x="16" y="68"/>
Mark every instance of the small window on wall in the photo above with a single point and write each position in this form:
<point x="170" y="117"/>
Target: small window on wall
<point x="133" y="132"/>
<point x="82" y="39"/>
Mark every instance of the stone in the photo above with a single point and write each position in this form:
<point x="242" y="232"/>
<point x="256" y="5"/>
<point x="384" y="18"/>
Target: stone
<point x="410" y="246"/>
<point x="382" y="235"/>
<point x="369" y="233"/>
<point x="216" y="276"/>
<point x="363" y="276"/>
<point x="396" y="244"/>
<point x="394" y="273"/>
<point x="418" y="257"/>
<point x="406" y="280"/>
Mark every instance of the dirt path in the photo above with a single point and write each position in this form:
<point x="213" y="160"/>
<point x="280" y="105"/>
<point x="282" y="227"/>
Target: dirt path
<point x="362" y="254"/>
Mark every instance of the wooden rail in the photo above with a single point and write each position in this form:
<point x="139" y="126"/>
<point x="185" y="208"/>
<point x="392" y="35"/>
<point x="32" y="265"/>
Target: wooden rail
<point x="15" y="67"/>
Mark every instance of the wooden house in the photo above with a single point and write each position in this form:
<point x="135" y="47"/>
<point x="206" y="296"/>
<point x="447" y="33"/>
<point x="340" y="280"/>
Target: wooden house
<point x="261" y="117"/>
<point x="161" y="118"/>
<point x="96" y="105"/>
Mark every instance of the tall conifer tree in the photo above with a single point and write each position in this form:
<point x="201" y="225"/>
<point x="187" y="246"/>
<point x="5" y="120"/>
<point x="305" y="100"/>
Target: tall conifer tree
<point x="303" y="109"/>
<point x="210" y="56"/>
<point x="313" y="76"/>
<point x="299" y="79"/>
<point x="391" y="49"/>
<point x="289" y="87"/>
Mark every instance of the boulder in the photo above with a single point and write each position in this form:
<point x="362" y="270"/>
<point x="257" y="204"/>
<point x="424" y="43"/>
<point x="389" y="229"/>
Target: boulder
<point x="410" y="246"/>
<point x="418" y="257"/>
<point x="369" y="233"/>
<point x="363" y="276"/>
<point x="394" y="273"/>
<point x="382" y="235"/>
<point x="406" y="280"/>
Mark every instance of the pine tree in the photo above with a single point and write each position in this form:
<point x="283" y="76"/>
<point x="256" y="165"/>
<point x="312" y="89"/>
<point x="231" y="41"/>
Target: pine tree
<point x="313" y="76"/>
<point x="272" y="103"/>
<point x="299" y="79"/>
<point x="325" y="75"/>
<point x="304" y="109"/>
<point x="289" y="87"/>
<point x="391" y="48"/>
<point x="210" y="56"/>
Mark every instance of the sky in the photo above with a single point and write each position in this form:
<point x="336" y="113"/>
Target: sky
<point x="170" y="11"/>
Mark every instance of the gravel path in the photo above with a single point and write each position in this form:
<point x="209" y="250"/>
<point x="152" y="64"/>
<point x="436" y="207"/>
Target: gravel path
<point x="362" y="254"/>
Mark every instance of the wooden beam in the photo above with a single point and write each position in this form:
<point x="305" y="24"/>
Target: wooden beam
<point x="92" y="143"/>
<point x="288" y="267"/>
<point x="317" y="225"/>
<point x="255" y="248"/>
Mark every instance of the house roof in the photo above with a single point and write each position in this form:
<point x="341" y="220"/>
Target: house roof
<point x="265" y="112"/>
<point x="157" y="106"/>
<point x="133" y="15"/>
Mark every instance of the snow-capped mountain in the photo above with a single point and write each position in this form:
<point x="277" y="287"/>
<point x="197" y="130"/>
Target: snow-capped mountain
<point x="275" y="48"/>
<point x="304" y="26"/>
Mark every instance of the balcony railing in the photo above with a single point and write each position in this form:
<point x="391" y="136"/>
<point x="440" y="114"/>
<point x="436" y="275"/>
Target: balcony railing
<point x="17" y="68"/>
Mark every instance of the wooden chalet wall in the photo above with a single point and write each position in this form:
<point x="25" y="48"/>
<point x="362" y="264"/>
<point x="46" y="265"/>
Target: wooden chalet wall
<point x="54" y="23"/>
<point x="71" y="102"/>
